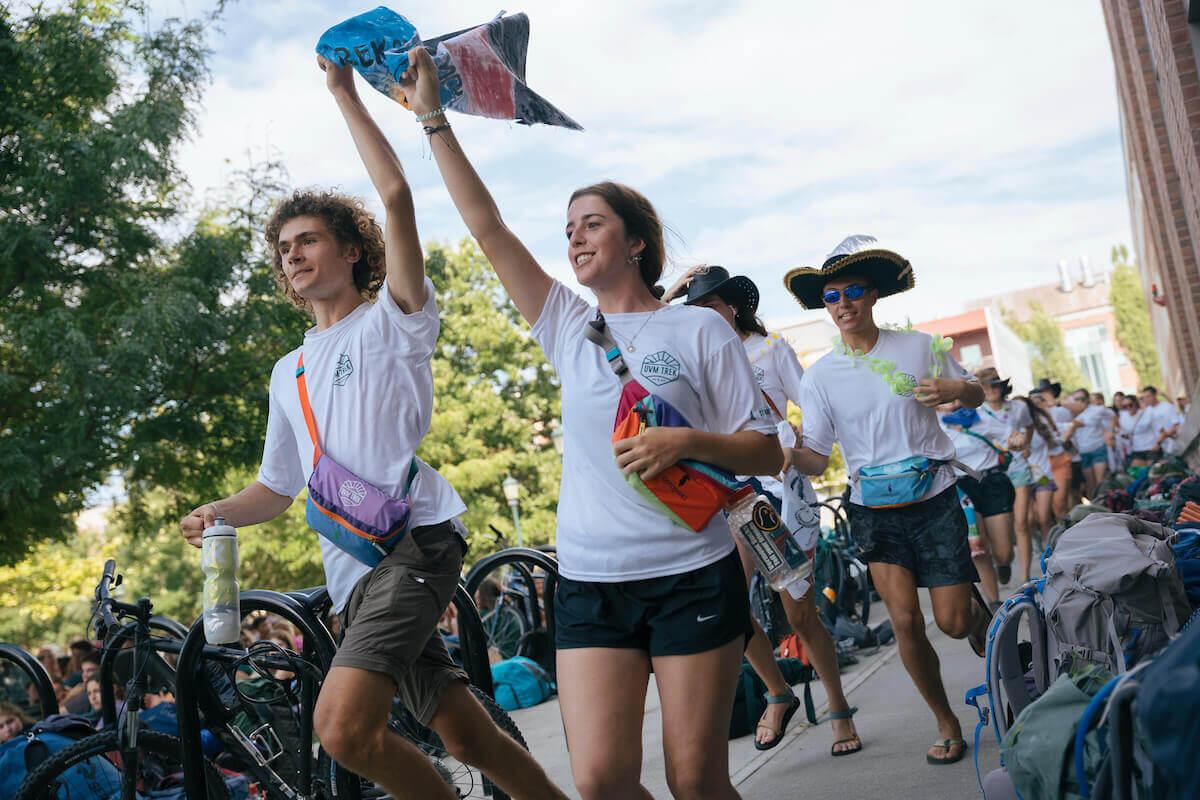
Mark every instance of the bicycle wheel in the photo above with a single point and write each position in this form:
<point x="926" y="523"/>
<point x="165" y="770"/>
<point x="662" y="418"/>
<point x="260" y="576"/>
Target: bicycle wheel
<point x="467" y="781"/>
<point x="159" y="768"/>
<point x="504" y="626"/>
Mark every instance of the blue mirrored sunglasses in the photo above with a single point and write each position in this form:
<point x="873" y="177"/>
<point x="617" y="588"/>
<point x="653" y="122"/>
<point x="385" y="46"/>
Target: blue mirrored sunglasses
<point x="852" y="292"/>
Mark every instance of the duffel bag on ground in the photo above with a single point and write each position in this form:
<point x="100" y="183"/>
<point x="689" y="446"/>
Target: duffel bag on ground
<point x="520" y="683"/>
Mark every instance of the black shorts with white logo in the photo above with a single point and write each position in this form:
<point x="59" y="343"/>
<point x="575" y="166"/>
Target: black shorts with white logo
<point x="675" y="615"/>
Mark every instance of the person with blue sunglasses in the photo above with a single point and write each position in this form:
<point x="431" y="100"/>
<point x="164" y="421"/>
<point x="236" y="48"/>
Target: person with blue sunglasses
<point x="875" y="394"/>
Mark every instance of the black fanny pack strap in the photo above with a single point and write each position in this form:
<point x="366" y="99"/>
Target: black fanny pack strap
<point x="597" y="333"/>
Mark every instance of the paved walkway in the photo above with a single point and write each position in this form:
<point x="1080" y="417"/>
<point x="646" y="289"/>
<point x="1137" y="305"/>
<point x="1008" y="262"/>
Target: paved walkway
<point x="895" y="725"/>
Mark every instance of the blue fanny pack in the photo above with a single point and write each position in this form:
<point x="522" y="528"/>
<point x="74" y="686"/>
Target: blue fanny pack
<point x="900" y="483"/>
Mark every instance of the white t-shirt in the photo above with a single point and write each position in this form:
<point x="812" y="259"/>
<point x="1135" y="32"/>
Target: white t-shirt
<point x="999" y="424"/>
<point x="971" y="450"/>
<point x="778" y="373"/>
<point x="370" y="386"/>
<point x="1149" y="422"/>
<point x="1062" y="420"/>
<point x="843" y="400"/>
<point x="1039" y="456"/>
<point x="692" y="359"/>
<point x="1094" y="421"/>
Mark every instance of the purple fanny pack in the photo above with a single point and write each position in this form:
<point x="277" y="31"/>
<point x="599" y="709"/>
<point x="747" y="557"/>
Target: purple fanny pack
<point x="351" y="513"/>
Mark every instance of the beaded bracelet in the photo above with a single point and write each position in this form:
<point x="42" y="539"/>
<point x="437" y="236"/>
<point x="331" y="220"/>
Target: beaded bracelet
<point x="430" y="131"/>
<point x="428" y="115"/>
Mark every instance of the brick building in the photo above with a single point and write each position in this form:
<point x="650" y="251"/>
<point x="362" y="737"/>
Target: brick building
<point x="1156" y="47"/>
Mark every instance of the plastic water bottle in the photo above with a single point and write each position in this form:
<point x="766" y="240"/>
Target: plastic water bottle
<point x="219" y="561"/>
<point x="754" y="520"/>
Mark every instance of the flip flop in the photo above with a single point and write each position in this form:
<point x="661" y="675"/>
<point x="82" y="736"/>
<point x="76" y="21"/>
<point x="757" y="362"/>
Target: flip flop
<point x="948" y="745"/>
<point x="847" y="714"/>
<point x="774" y="700"/>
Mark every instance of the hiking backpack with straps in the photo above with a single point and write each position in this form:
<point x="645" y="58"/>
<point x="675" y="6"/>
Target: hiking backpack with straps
<point x="1111" y="594"/>
<point x="94" y="778"/>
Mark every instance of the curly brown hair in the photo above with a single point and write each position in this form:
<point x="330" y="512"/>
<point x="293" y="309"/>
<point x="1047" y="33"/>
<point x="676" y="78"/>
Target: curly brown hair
<point x="351" y="225"/>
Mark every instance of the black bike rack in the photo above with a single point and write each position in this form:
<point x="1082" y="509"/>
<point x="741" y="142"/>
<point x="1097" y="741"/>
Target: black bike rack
<point x="195" y="693"/>
<point x="36" y="672"/>
<point x="520" y="557"/>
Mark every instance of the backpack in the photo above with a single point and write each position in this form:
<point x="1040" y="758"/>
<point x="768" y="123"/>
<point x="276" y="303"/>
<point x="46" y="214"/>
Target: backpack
<point x="520" y="682"/>
<point x="1167" y="716"/>
<point x="95" y="778"/>
<point x="266" y="718"/>
<point x="1111" y="594"/>
<point x="1187" y="561"/>
<point x="748" y="702"/>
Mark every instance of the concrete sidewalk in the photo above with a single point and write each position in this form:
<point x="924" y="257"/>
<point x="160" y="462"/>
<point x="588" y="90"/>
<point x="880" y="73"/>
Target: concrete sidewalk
<point x="894" y="723"/>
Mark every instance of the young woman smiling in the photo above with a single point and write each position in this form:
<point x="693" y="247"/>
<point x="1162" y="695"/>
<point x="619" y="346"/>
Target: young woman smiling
<point x="638" y="591"/>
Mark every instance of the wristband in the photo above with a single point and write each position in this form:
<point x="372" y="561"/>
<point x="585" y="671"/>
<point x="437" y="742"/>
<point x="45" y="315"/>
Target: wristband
<point x="428" y="115"/>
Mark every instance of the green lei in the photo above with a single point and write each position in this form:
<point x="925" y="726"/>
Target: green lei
<point x="900" y="384"/>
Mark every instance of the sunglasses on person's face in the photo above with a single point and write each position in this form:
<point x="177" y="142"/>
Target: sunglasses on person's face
<point x="852" y="292"/>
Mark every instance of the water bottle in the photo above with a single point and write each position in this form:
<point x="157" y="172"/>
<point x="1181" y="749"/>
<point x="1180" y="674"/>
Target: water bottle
<point x="754" y="520"/>
<point x="219" y="561"/>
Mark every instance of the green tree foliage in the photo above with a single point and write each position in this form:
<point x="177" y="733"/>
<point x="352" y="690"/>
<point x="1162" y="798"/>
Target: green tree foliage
<point x="497" y="400"/>
<point x="1133" y="318"/>
<point x="118" y="351"/>
<point x="1051" y="358"/>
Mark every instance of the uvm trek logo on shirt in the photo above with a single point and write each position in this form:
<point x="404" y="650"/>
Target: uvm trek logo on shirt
<point x="660" y="368"/>
<point x="909" y="383"/>
<point x="343" y="371"/>
<point x="760" y="375"/>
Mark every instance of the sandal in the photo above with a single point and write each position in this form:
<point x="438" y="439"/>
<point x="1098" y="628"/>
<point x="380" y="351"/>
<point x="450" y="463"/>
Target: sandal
<point x="854" y="739"/>
<point x="793" y="704"/>
<point x="948" y="745"/>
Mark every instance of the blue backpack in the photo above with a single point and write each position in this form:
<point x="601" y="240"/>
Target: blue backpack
<point x="94" y="778"/>
<point x="1187" y="561"/>
<point x="520" y="683"/>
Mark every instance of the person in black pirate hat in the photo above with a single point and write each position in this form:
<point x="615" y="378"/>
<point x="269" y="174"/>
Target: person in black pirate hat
<point x="779" y="375"/>
<point x="875" y="394"/>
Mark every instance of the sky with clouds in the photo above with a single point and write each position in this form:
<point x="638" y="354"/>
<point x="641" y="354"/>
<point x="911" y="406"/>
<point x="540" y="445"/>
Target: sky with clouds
<point x="981" y="140"/>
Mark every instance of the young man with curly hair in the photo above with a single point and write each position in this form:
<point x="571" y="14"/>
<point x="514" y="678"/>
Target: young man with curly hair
<point x="364" y="372"/>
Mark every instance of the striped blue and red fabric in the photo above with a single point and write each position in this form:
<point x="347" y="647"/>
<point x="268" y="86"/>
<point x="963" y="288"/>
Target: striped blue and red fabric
<point x="481" y="70"/>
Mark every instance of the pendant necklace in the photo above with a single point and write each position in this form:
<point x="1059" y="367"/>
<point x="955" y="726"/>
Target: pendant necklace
<point x="629" y="342"/>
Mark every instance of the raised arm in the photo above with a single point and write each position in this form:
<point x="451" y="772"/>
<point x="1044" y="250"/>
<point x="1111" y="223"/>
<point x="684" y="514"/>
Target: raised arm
<point x="525" y="281"/>
<point x="402" y="247"/>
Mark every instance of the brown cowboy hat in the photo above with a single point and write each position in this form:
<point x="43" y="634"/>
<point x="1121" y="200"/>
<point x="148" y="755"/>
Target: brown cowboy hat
<point x="989" y="375"/>
<point x="888" y="272"/>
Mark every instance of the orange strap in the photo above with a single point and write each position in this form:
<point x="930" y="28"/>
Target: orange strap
<point x="302" y="388"/>
<point x="770" y="402"/>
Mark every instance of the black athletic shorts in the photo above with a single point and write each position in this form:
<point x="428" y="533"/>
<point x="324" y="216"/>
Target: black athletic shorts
<point x="992" y="495"/>
<point x="674" y="615"/>
<point x="929" y="539"/>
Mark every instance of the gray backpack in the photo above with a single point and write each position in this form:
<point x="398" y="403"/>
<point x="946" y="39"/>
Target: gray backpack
<point x="1112" y="594"/>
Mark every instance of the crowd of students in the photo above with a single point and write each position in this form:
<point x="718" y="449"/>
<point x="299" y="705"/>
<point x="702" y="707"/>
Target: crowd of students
<point x="639" y="592"/>
<point x="1038" y="455"/>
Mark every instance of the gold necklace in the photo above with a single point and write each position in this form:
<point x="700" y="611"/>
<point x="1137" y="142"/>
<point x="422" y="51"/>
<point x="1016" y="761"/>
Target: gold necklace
<point x="629" y="342"/>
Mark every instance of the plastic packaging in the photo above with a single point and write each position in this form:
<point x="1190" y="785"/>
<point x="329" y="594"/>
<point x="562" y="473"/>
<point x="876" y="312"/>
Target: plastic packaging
<point x="219" y="561"/>
<point x="754" y="521"/>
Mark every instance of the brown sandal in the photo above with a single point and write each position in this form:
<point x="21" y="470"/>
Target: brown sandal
<point x="948" y="745"/>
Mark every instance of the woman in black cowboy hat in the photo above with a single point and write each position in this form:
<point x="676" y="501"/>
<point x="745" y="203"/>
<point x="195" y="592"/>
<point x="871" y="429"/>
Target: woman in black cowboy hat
<point x="778" y="372"/>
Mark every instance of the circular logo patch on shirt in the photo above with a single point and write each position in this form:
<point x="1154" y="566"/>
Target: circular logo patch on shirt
<point x="765" y="517"/>
<point x="660" y="368"/>
<point x="352" y="493"/>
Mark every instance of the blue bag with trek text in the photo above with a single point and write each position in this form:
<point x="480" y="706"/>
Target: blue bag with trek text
<point x="900" y="483"/>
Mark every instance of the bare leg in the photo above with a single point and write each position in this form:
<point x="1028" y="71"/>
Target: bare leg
<point x="999" y="530"/>
<point x="471" y="737"/>
<point x="981" y="556"/>
<point x="602" y="697"/>
<point x="696" y="692"/>
<point x="803" y="616"/>
<point x="1042" y="504"/>
<point x="1021" y="510"/>
<point x="351" y="722"/>
<point x="899" y="592"/>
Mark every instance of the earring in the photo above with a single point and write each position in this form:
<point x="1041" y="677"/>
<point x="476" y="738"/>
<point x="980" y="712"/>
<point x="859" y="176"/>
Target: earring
<point x="637" y="259"/>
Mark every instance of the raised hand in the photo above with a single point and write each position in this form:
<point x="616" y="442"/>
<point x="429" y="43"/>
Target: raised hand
<point x="338" y="78"/>
<point x="420" y="82"/>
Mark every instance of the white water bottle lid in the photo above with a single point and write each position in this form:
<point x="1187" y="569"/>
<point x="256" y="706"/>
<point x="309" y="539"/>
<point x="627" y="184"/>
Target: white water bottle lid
<point x="219" y="528"/>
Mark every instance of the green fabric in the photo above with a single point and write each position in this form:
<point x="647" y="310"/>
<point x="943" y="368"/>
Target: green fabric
<point x="1037" y="749"/>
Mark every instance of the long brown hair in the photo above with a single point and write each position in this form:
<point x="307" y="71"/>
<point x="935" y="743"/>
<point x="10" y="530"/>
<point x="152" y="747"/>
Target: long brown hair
<point x="351" y="225"/>
<point x="1043" y="423"/>
<point x="641" y="222"/>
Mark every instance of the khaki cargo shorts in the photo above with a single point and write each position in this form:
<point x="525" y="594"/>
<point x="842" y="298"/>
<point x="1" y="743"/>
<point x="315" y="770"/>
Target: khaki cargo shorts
<point x="390" y="620"/>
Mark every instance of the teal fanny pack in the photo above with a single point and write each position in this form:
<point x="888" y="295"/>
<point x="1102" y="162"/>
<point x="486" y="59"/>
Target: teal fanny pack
<point x="900" y="483"/>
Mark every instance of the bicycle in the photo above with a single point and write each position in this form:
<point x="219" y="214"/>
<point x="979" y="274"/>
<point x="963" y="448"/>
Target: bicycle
<point x="531" y="578"/>
<point x="21" y="661"/>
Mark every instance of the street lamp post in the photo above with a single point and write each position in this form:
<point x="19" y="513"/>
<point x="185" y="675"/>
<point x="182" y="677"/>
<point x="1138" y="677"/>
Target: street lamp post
<point x="512" y="491"/>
